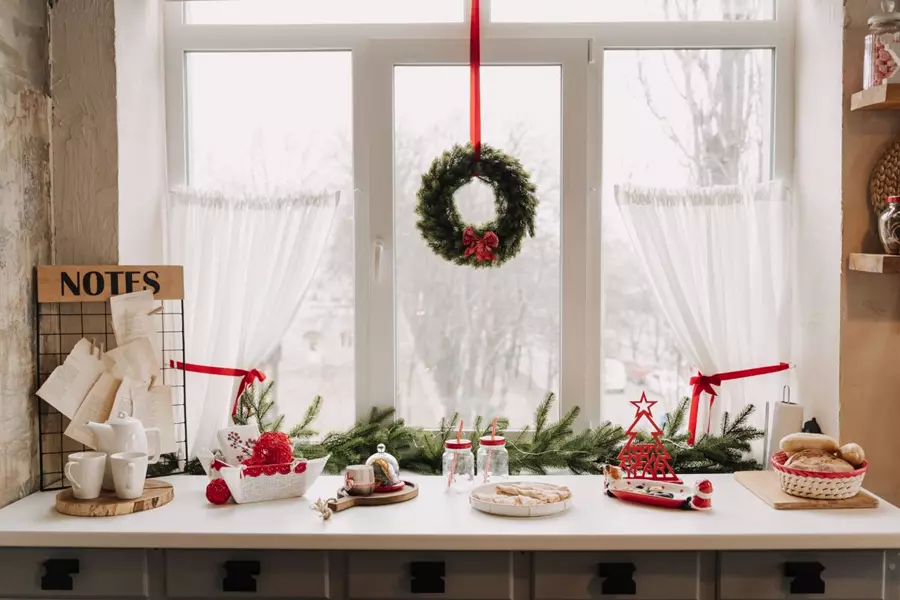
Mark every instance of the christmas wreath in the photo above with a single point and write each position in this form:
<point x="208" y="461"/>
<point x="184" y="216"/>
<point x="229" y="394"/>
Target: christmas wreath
<point x="489" y="244"/>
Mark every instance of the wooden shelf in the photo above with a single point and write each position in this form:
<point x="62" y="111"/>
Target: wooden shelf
<point x="875" y="263"/>
<point x="879" y="97"/>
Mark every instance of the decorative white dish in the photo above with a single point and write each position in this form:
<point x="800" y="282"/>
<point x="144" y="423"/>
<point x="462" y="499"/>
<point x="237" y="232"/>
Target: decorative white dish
<point x="505" y="510"/>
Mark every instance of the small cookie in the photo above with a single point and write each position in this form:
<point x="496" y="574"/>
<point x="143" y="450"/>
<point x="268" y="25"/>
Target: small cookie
<point x="818" y="461"/>
<point x="796" y="442"/>
<point x="853" y="454"/>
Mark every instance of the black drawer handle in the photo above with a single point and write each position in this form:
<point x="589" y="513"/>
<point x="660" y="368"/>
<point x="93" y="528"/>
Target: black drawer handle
<point x="427" y="577"/>
<point x="240" y="575"/>
<point x="618" y="579"/>
<point x="806" y="577"/>
<point x="58" y="574"/>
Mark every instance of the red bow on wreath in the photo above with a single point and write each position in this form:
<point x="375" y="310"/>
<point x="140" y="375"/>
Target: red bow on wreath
<point x="482" y="247"/>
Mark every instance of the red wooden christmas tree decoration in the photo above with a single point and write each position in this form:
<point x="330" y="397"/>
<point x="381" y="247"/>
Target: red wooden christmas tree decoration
<point x="646" y="461"/>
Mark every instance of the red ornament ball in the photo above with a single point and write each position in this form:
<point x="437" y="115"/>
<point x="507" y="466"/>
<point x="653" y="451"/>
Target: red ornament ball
<point x="217" y="492"/>
<point x="273" y="448"/>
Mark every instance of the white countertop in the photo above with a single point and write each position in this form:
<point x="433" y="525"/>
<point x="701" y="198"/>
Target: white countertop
<point x="440" y="521"/>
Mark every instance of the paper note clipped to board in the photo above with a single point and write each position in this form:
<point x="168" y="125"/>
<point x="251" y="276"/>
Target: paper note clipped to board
<point x="132" y="318"/>
<point x="69" y="383"/>
<point x="136" y="360"/>
<point x="96" y="407"/>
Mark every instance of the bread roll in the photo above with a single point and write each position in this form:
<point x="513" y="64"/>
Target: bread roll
<point x="853" y="454"/>
<point x="791" y="444"/>
<point x="818" y="461"/>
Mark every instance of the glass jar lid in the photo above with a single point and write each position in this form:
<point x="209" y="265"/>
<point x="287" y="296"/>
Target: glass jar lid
<point x="458" y="445"/>
<point x="487" y="440"/>
<point x="889" y="18"/>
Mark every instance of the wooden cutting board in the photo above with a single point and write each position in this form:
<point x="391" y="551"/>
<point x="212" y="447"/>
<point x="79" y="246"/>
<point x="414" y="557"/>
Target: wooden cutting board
<point x="343" y="501"/>
<point x="156" y="494"/>
<point x="765" y="485"/>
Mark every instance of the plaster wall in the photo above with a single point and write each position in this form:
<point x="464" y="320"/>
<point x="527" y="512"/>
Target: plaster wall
<point x="84" y="133"/>
<point x="25" y="218"/>
<point x="870" y="304"/>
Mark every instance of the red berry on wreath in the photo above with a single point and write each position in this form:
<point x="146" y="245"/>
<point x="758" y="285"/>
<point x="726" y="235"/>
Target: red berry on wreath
<point x="217" y="491"/>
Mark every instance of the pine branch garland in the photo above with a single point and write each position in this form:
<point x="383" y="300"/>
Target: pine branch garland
<point x="541" y="447"/>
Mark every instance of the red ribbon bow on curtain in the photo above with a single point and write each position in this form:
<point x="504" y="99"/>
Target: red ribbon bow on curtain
<point x="482" y="247"/>
<point x="707" y="383"/>
<point x="247" y="377"/>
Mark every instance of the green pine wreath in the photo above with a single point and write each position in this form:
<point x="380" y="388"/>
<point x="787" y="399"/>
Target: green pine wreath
<point x="489" y="244"/>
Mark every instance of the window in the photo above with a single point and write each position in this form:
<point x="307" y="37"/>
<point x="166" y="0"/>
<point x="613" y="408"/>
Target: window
<point x="362" y="96"/>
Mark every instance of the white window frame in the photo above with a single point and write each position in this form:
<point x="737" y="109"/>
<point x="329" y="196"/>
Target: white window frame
<point x="579" y="48"/>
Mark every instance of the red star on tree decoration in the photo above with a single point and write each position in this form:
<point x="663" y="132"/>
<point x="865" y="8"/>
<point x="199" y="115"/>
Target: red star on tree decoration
<point x="643" y="405"/>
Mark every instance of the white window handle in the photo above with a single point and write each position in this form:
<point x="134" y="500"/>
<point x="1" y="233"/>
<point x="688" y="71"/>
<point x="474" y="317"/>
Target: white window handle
<point x="379" y="251"/>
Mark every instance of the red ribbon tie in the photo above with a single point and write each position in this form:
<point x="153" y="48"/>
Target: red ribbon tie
<point x="708" y="383"/>
<point x="475" y="79"/>
<point x="482" y="247"/>
<point x="248" y="377"/>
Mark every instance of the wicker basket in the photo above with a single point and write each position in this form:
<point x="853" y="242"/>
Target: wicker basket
<point x="820" y="486"/>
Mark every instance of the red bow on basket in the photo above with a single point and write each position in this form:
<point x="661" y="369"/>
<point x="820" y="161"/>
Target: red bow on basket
<point x="248" y="377"/>
<point x="482" y="247"/>
<point x="708" y="383"/>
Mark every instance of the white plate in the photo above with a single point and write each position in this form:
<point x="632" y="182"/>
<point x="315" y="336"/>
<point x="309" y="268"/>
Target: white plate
<point x="534" y="510"/>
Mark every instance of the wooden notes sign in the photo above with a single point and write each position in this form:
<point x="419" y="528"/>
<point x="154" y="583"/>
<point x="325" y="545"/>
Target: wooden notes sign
<point x="96" y="283"/>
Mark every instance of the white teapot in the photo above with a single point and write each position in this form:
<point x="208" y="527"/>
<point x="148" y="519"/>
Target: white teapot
<point x="124" y="434"/>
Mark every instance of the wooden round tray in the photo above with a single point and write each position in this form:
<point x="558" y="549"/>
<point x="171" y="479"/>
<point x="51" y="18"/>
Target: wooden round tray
<point x="156" y="494"/>
<point x="344" y="501"/>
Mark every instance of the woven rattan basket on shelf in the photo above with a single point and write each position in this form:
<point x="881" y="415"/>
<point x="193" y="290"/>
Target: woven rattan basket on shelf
<point x="821" y="486"/>
<point x="885" y="178"/>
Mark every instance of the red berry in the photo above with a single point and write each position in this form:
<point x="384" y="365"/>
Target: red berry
<point x="217" y="491"/>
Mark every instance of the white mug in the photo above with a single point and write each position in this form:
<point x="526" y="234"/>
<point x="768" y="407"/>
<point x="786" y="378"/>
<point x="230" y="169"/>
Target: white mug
<point x="85" y="471"/>
<point x="129" y="471"/>
<point x="359" y="480"/>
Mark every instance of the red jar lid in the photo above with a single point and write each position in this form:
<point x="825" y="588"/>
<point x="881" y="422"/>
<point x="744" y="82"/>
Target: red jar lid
<point x="892" y="199"/>
<point x="460" y="445"/>
<point x="487" y="441"/>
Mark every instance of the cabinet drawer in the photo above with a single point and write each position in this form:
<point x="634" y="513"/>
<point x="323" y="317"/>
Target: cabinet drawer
<point x="635" y="575"/>
<point x="246" y="573"/>
<point x="70" y="573"/>
<point x="857" y="575"/>
<point x="454" y="575"/>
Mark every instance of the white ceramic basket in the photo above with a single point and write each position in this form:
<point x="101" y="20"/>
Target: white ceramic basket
<point x="819" y="486"/>
<point x="270" y="482"/>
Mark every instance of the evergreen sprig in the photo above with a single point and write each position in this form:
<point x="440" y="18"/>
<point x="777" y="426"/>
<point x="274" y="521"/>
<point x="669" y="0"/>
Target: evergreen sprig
<point x="515" y="199"/>
<point x="541" y="447"/>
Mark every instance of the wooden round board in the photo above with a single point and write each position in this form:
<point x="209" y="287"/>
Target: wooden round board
<point x="409" y="491"/>
<point x="156" y="494"/>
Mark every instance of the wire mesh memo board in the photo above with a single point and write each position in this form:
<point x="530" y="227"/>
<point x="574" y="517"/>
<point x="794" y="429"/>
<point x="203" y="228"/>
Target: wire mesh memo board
<point x="71" y="303"/>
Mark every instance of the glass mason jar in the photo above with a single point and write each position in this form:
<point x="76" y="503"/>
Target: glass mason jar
<point x="458" y="466"/>
<point x="884" y="29"/>
<point x="493" y="459"/>
<point x="889" y="225"/>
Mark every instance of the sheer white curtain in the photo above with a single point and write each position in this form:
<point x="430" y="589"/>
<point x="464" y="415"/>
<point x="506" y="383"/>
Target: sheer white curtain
<point x="719" y="261"/>
<point x="248" y="262"/>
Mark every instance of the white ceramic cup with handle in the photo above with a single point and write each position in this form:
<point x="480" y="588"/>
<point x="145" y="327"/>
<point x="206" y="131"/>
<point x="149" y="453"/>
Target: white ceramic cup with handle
<point x="85" y="472"/>
<point x="129" y="470"/>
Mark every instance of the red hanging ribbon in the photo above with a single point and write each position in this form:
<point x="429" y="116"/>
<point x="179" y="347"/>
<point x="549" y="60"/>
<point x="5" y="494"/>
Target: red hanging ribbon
<point x="705" y="383"/>
<point x="247" y="377"/>
<point x="475" y="79"/>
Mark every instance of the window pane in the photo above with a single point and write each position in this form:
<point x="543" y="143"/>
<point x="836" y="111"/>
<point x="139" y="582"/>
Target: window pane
<point x="671" y="118"/>
<point x="587" y="11"/>
<point x="480" y="341"/>
<point x="252" y="128"/>
<point x="283" y="12"/>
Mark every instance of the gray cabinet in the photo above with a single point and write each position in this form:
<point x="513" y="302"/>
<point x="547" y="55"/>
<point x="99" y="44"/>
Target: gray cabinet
<point x="202" y="574"/>
<point x="778" y="575"/>
<point x="451" y="575"/>
<point x="73" y="573"/>
<point x="615" y="575"/>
